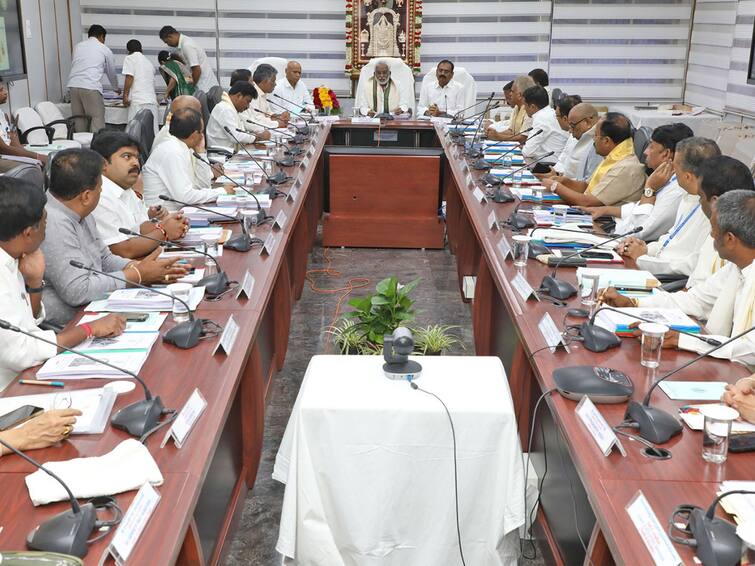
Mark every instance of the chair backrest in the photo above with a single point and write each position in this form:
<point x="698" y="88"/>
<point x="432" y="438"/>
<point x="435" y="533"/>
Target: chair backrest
<point x="556" y="95"/>
<point x="213" y="97"/>
<point x="201" y="96"/>
<point x="51" y="113"/>
<point x="27" y="172"/>
<point x="27" y="118"/>
<point x="400" y="72"/>
<point x="641" y="140"/>
<point x="278" y="62"/>
<point x="142" y="129"/>
<point x="461" y="75"/>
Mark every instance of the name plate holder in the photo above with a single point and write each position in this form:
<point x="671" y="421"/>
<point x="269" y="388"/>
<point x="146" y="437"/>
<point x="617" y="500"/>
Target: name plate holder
<point x="493" y="221"/>
<point x="304" y="163"/>
<point x="247" y="284"/>
<point x="186" y="419"/>
<point x="132" y="525"/>
<point x="599" y="429"/>
<point x="652" y="533"/>
<point x="227" y="338"/>
<point x="504" y="246"/>
<point x="523" y="288"/>
<point x="268" y="245"/>
<point x="280" y="220"/>
<point x="553" y="338"/>
<point x="479" y="195"/>
<point x="293" y="192"/>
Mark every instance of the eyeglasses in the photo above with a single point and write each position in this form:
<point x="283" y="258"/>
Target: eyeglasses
<point x="577" y="123"/>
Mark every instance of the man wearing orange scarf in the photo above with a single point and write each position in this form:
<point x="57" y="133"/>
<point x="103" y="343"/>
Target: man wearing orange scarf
<point x="618" y="179"/>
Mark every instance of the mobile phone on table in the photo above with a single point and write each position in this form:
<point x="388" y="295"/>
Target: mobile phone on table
<point x="742" y="442"/>
<point x="18" y="416"/>
<point x="136" y="316"/>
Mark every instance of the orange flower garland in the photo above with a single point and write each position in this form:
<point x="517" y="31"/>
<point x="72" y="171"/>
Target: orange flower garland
<point x="325" y="98"/>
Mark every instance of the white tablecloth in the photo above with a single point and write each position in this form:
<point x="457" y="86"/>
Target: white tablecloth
<point x="368" y="466"/>
<point x="702" y="124"/>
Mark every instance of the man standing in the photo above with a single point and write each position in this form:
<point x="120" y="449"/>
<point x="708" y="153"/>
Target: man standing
<point x="139" y="84"/>
<point x="293" y="89"/>
<point x="264" y="80"/>
<point x="444" y="96"/>
<point x="381" y="95"/>
<point x="90" y="60"/>
<point x="546" y="135"/>
<point x="227" y="114"/>
<point x="193" y="55"/>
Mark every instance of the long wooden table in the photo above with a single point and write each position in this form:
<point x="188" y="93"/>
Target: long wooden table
<point x="207" y="481"/>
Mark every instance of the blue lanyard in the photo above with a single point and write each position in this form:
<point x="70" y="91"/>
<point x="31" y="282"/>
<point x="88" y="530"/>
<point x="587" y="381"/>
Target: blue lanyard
<point x="679" y="227"/>
<point x="671" y="180"/>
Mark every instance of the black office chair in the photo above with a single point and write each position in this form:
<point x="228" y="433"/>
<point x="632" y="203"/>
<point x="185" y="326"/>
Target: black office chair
<point x="142" y="129"/>
<point x="27" y="172"/>
<point x="641" y="140"/>
<point x="201" y="96"/>
<point x="214" y="95"/>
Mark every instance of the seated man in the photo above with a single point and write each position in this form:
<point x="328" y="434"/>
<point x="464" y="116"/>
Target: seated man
<point x="718" y="175"/>
<point x="291" y="93"/>
<point x="501" y="124"/>
<point x="565" y="158"/>
<point x="10" y="145"/>
<point x="741" y="396"/>
<point x="676" y="251"/>
<point x="620" y="176"/>
<point x="264" y="80"/>
<point x="22" y="266"/>
<point x="170" y="167"/>
<point x="726" y="301"/>
<point x="227" y="116"/>
<point x="578" y="160"/>
<point x="121" y="207"/>
<point x="253" y="121"/>
<point x="519" y="120"/>
<point x="656" y="210"/>
<point x="444" y="96"/>
<point x="380" y="94"/>
<point x="75" y="187"/>
<point x="552" y="138"/>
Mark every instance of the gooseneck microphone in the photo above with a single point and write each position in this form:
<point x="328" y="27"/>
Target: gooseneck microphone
<point x="304" y="130"/>
<point x="296" y="139"/>
<point x="278" y="179"/>
<point x="184" y="335"/>
<point x="285" y="162"/>
<point x="240" y="242"/>
<point x="482" y="165"/>
<point x="215" y="284"/>
<point x="300" y="131"/>
<point x="559" y="289"/>
<point x="598" y="339"/>
<point x="459" y="116"/>
<point x="136" y="418"/>
<point x="654" y="424"/>
<point x="472" y="151"/>
<point x="499" y="195"/>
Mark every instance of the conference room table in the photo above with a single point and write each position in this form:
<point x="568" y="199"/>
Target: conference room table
<point x="206" y="481"/>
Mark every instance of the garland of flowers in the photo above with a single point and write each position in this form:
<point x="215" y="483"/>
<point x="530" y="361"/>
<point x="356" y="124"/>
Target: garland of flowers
<point x="325" y="99"/>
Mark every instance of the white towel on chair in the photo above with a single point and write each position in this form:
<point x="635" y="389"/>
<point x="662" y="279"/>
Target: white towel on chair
<point x="128" y="466"/>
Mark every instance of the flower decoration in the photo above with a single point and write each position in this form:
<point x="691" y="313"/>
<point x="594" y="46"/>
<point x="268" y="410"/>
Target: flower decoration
<point x="325" y="99"/>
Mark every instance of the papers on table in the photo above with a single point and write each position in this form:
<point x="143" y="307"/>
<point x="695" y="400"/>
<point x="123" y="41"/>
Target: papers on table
<point x="740" y="505"/>
<point x="210" y="214"/>
<point x="694" y="419"/>
<point x="693" y="390"/>
<point x="194" y="235"/>
<point x="516" y="159"/>
<point x="152" y="324"/>
<point x="126" y="342"/>
<point x="620" y="277"/>
<point x="525" y="195"/>
<point x="94" y="404"/>
<point x="71" y="366"/>
<point x="242" y="201"/>
<point x="142" y="300"/>
<point x="527" y="177"/>
<point x="546" y="217"/>
<point x="620" y="324"/>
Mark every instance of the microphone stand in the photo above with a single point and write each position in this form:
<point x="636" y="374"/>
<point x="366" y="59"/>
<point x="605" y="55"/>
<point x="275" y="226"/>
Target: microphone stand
<point x="184" y="335"/>
<point x="558" y="289"/>
<point x="472" y="151"/>
<point x="290" y="162"/>
<point x="300" y="132"/>
<point x="501" y="196"/>
<point x="293" y="140"/>
<point x="654" y="424"/>
<point x="277" y="179"/>
<point x="215" y="285"/>
<point x="240" y="242"/>
<point x="482" y="165"/>
<point x="459" y="116"/>
<point x="304" y="130"/>
<point x="136" y="418"/>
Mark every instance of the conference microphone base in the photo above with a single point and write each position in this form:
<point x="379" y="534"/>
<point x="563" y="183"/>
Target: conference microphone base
<point x="481" y="165"/>
<point x="655" y="426"/>
<point x="602" y="385"/>
<point x="500" y="196"/>
<point x="535" y="249"/>
<point x="294" y="151"/>
<point x="214" y="285"/>
<point x="556" y="288"/>
<point x="286" y="162"/>
<point x="491" y="180"/>
<point x="598" y="339"/>
<point x="520" y="221"/>
<point x="140" y="417"/>
<point x="66" y="532"/>
<point x="239" y="243"/>
<point x="184" y="335"/>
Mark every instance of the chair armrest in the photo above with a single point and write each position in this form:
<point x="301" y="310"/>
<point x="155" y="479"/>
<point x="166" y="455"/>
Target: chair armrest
<point x="24" y="135"/>
<point x="673" y="286"/>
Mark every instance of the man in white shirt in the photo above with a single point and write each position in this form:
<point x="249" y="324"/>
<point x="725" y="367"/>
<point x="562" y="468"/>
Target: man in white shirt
<point x="264" y="80"/>
<point x="442" y="97"/>
<point x="726" y="301"/>
<point x="656" y="209"/>
<point x="90" y="60"/>
<point x="380" y="94"/>
<point x="718" y="175"/>
<point x="10" y="145"/>
<point x="170" y="170"/>
<point x="252" y="120"/>
<point x="227" y="116"/>
<point x="120" y="207"/>
<point x="676" y="251"/>
<point x="552" y="138"/>
<point x="193" y="55"/>
<point x="139" y="83"/>
<point x="566" y="163"/>
<point x="291" y="93"/>
<point x="22" y="266"/>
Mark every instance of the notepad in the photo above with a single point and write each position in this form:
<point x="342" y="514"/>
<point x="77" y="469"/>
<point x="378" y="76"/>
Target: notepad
<point x="693" y="390"/>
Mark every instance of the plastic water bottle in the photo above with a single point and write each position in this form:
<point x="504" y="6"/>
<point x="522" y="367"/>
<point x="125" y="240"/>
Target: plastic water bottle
<point x="517" y="184"/>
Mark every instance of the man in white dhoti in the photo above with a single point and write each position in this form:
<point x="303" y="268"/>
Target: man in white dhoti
<point x="380" y="94"/>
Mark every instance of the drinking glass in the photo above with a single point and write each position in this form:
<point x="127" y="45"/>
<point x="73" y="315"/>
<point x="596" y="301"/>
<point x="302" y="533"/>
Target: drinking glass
<point x="588" y="289"/>
<point x="716" y="432"/>
<point x="521" y="249"/>
<point x="559" y="213"/>
<point x="517" y="180"/>
<point x="537" y="194"/>
<point x="210" y="246"/>
<point x="249" y="219"/>
<point x="652" y="343"/>
<point x="180" y="291"/>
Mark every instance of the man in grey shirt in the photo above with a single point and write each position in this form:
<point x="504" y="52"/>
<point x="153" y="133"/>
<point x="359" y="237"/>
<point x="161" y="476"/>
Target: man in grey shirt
<point x="75" y="187"/>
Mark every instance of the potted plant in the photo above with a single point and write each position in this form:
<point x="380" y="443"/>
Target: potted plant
<point x="346" y="338"/>
<point x="432" y="340"/>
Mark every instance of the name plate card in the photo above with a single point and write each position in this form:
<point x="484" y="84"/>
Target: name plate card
<point x="280" y="220"/>
<point x="365" y="120"/>
<point x="304" y="163"/>
<point x="228" y="337"/>
<point x="525" y="290"/>
<point x="247" y="284"/>
<point x="599" y="429"/>
<point x="653" y="535"/>
<point x="293" y="193"/>
<point x="553" y="338"/>
<point x="132" y="525"/>
<point x="479" y="195"/>
<point x="493" y="221"/>
<point x="268" y="244"/>
<point x="186" y="419"/>
<point x="504" y="246"/>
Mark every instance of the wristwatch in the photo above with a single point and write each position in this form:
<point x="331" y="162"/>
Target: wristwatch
<point x="648" y="192"/>
<point x="31" y="290"/>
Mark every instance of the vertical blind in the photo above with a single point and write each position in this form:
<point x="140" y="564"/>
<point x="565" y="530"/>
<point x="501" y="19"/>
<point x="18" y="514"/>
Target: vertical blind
<point x="740" y="96"/>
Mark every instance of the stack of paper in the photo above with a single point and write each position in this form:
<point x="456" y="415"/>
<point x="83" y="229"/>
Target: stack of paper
<point x="242" y="201"/>
<point x="546" y="217"/>
<point x="152" y="324"/>
<point x="194" y="236"/>
<point x="142" y="300"/>
<point x="740" y="505"/>
<point x="71" y="366"/>
<point x="527" y="177"/>
<point x="693" y="418"/>
<point x="211" y="214"/>
<point x="621" y="324"/>
<point x="620" y="277"/>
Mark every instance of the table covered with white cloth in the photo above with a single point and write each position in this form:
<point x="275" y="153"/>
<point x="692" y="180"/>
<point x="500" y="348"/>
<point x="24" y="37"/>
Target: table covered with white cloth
<point x="702" y="124"/>
<point x="368" y="465"/>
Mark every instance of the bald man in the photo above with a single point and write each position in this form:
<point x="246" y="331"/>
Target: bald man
<point x="292" y="91"/>
<point x="380" y="94"/>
